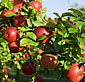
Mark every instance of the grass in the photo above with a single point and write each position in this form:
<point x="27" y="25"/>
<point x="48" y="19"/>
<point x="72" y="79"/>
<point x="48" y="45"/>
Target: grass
<point x="25" y="78"/>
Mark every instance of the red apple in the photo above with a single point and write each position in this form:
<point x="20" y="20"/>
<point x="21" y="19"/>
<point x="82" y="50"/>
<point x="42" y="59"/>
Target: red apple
<point x="15" y="9"/>
<point x="74" y="73"/>
<point x="18" y="2"/>
<point x="28" y="68"/>
<point x="19" y="19"/>
<point x="14" y="47"/>
<point x="4" y="12"/>
<point x="8" y="79"/>
<point x="11" y="34"/>
<point x="24" y="56"/>
<point x="36" y="4"/>
<point x="18" y="58"/>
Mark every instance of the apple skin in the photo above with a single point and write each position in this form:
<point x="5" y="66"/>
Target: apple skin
<point x="37" y="79"/>
<point x="12" y="34"/>
<point x="24" y="56"/>
<point x="36" y="4"/>
<point x="73" y="72"/>
<point x="49" y="61"/>
<point x="19" y="19"/>
<point x="14" y="47"/>
<point x="26" y="68"/>
<point x="18" y="2"/>
<point x="4" y="12"/>
<point x="18" y="58"/>
<point x="15" y="9"/>
<point x="41" y="31"/>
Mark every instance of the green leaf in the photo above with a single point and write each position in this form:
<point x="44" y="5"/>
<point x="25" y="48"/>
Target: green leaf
<point x="77" y="11"/>
<point x="37" y="23"/>
<point x="46" y="17"/>
<point x="41" y="37"/>
<point x="73" y="30"/>
<point x="83" y="35"/>
<point x="29" y="22"/>
<point x="43" y="10"/>
<point x="41" y="45"/>
<point x="57" y="46"/>
<point x="57" y="74"/>
<point x="67" y="65"/>
<point x="9" y="14"/>
<point x="4" y="1"/>
<point x="9" y="5"/>
<point x="69" y="14"/>
<point x="57" y="14"/>
<point x="26" y="41"/>
<point x="50" y="24"/>
<point x="31" y="35"/>
<point x="80" y="24"/>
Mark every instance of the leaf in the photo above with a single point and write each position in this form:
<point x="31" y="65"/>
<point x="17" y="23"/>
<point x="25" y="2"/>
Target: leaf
<point x="37" y="23"/>
<point x="80" y="24"/>
<point x="4" y="1"/>
<point x="67" y="65"/>
<point x="46" y="17"/>
<point x="29" y="22"/>
<point x="41" y="37"/>
<point x="31" y="35"/>
<point x="73" y="30"/>
<point x="57" y="74"/>
<point x="26" y="41"/>
<point x="57" y="46"/>
<point x="50" y="24"/>
<point x="41" y="45"/>
<point x="83" y="35"/>
<point x="9" y="5"/>
<point x="77" y="11"/>
<point x="57" y="14"/>
<point x="69" y="14"/>
<point x="9" y="14"/>
<point x="43" y="10"/>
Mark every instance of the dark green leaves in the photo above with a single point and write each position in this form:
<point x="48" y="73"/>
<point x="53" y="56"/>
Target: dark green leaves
<point x="9" y="14"/>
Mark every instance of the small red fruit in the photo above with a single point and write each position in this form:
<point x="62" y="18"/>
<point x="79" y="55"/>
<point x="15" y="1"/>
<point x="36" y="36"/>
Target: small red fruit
<point x="4" y="12"/>
<point x="28" y="68"/>
<point x="37" y="79"/>
<point x="28" y="46"/>
<point x="40" y="51"/>
<point x="27" y="55"/>
<point x="24" y="56"/>
<point x="36" y="4"/>
<point x="8" y="79"/>
<point x="18" y="58"/>
<point x="11" y="34"/>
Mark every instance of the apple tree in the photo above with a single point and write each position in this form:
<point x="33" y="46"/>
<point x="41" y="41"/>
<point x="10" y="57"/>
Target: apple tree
<point x="34" y="43"/>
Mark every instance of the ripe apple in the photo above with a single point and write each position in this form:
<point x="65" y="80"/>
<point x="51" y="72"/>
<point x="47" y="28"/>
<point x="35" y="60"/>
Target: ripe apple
<point x="41" y="31"/>
<point x="4" y="12"/>
<point x="37" y="79"/>
<point x="14" y="47"/>
<point x="49" y="61"/>
<point x="36" y="4"/>
<point x="74" y="73"/>
<point x="40" y="51"/>
<point x="28" y="68"/>
<point x="15" y="9"/>
<point x="18" y="2"/>
<point x="11" y="34"/>
<point x="19" y="19"/>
